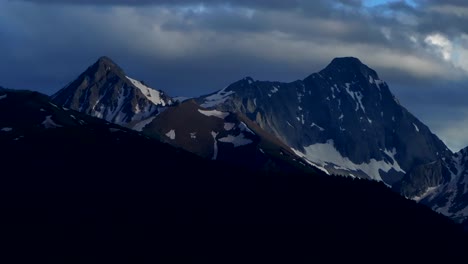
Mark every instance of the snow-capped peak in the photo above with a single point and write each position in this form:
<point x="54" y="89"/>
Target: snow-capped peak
<point x="151" y="94"/>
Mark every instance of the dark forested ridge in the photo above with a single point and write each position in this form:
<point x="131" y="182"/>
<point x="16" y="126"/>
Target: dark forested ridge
<point x="76" y="189"/>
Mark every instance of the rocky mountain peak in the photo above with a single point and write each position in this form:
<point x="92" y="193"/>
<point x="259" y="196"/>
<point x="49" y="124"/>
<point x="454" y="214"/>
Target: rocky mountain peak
<point x="105" y="91"/>
<point x="350" y="68"/>
<point x="104" y="65"/>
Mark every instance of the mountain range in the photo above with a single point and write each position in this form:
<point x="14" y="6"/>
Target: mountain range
<point x="72" y="180"/>
<point x="343" y="120"/>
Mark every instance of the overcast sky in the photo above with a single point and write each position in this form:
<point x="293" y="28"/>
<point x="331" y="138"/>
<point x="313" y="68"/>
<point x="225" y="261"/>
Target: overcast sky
<point x="193" y="47"/>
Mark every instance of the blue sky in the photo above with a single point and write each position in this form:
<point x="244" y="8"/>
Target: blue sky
<point x="194" y="47"/>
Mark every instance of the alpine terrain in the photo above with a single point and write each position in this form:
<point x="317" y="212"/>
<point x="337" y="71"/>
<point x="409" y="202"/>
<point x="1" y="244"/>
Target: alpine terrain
<point x="343" y="119"/>
<point x="442" y="185"/>
<point x="104" y="91"/>
<point x="79" y="189"/>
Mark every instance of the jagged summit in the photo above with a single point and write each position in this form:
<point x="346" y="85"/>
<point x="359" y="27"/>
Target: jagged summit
<point x="344" y="119"/>
<point x="104" y="90"/>
<point x="104" y="65"/>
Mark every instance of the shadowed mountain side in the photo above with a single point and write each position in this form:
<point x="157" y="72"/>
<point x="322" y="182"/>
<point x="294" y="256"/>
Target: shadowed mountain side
<point x="71" y="181"/>
<point x="223" y="136"/>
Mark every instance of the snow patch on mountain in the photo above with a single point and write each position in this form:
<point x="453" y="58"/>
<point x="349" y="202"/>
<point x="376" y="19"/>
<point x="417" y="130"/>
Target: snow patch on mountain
<point x="217" y="98"/>
<point x="317" y="126"/>
<point x="171" y="134"/>
<point x="49" y="123"/>
<point x="237" y="141"/>
<point x="244" y="128"/>
<point x="3" y="96"/>
<point x="214" y="113"/>
<point x="6" y="129"/>
<point x="429" y="192"/>
<point x="215" y="147"/>
<point x="229" y="126"/>
<point x="325" y="154"/>
<point x="416" y="127"/>
<point x="274" y="90"/>
<point x="151" y="94"/>
<point x="300" y="154"/>
<point x="356" y="96"/>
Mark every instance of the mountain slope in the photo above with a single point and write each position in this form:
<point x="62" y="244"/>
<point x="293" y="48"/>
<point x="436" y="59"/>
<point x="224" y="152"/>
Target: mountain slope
<point x="79" y="180"/>
<point x="442" y="185"/>
<point x="344" y="119"/>
<point x="223" y="136"/>
<point x="104" y="91"/>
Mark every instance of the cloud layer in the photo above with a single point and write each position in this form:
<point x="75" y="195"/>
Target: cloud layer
<point x="191" y="47"/>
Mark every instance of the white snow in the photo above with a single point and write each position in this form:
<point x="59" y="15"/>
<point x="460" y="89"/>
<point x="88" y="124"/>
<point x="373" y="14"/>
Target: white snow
<point x="113" y="113"/>
<point x="289" y="124"/>
<point x="244" y="128"/>
<point x="215" y="148"/>
<point x="142" y="124"/>
<point x="54" y="105"/>
<point x="49" y="123"/>
<point x="237" y="141"/>
<point x="6" y="129"/>
<point x="193" y="135"/>
<point x="42" y="110"/>
<point x="217" y="98"/>
<point x="317" y="126"/>
<point x="357" y="96"/>
<point x="392" y="154"/>
<point x="261" y="150"/>
<point x="274" y="90"/>
<point x="450" y="190"/>
<point x="229" y="126"/>
<point x="255" y="101"/>
<point x="300" y="154"/>
<point x="151" y="94"/>
<point x="214" y="113"/>
<point x="171" y="134"/>
<point x="3" y="96"/>
<point x="341" y="117"/>
<point x="428" y="192"/>
<point x="416" y="127"/>
<point x="378" y="83"/>
<point x="371" y="80"/>
<point x="325" y="154"/>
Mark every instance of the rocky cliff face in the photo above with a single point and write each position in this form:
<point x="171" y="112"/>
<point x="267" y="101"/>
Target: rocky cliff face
<point x="442" y="185"/>
<point x="106" y="92"/>
<point x="344" y="119"/>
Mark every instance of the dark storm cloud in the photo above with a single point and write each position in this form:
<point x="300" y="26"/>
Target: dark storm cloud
<point x="190" y="47"/>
